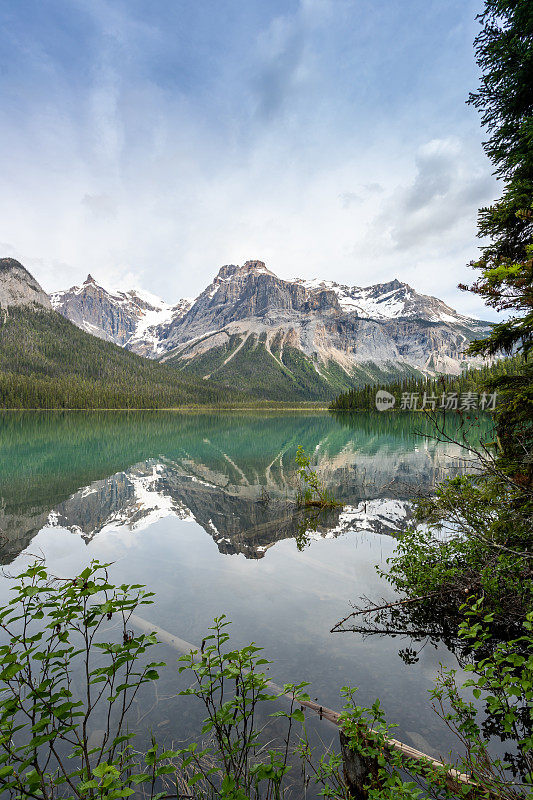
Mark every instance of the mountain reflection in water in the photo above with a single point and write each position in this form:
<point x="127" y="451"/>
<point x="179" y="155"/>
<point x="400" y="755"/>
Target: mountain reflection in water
<point x="234" y="474"/>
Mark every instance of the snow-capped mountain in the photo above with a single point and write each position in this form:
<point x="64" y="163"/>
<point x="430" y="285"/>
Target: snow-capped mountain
<point x="132" y="319"/>
<point x="279" y="338"/>
<point x="386" y="301"/>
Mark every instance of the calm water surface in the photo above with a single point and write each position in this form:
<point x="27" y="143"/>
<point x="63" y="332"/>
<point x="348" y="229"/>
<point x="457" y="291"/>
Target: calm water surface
<point x="200" y="508"/>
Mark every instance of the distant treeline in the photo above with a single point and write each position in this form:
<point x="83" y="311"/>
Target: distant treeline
<point x="47" y="362"/>
<point x="471" y="380"/>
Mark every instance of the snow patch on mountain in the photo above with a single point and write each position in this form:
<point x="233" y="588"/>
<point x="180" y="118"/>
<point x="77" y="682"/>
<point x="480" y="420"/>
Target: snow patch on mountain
<point x="385" y="301"/>
<point x="133" y="318"/>
<point x="247" y="309"/>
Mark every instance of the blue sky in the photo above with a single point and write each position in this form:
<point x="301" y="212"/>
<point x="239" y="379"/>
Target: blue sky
<point x="151" y="142"/>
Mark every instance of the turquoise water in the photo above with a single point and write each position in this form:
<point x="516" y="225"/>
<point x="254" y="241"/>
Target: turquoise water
<point x="200" y="508"/>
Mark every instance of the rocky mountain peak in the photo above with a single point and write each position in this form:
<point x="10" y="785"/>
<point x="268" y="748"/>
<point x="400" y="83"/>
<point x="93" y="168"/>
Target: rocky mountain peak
<point x="225" y="272"/>
<point x="309" y="336"/>
<point x="19" y="288"/>
<point x="9" y="264"/>
<point x="393" y="285"/>
<point x="127" y="318"/>
<point x="256" y="266"/>
<point x="253" y="267"/>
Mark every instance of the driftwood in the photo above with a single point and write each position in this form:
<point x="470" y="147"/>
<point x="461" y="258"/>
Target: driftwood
<point x="164" y="636"/>
<point x="355" y="768"/>
<point x="455" y="780"/>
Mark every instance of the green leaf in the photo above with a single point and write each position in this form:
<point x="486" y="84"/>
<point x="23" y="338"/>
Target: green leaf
<point x="165" y="770"/>
<point x="5" y="771"/>
<point x="143" y="777"/>
<point x="88" y="785"/>
<point x="103" y="769"/>
<point x="10" y="672"/>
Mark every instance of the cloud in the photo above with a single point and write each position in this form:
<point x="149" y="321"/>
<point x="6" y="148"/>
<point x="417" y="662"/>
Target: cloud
<point x="436" y="163"/>
<point x="101" y="206"/>
<point x="373" y="188"/>
<point x="446" y="190"/>
<point x="281" y="48"/>
<point x="286" y="66"/>
<point x="423" y="229"/>
<point x="366" y="190"/>
<point x="349" y="199"/>
<point x="154" y="146"/>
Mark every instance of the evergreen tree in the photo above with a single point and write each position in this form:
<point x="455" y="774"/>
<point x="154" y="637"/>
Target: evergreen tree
<point x="504" y="53"/>
<point x="47" y="362"/>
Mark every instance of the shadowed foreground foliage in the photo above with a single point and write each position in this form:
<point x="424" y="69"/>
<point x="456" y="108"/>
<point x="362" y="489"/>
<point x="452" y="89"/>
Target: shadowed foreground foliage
<point x="70" y="658"/>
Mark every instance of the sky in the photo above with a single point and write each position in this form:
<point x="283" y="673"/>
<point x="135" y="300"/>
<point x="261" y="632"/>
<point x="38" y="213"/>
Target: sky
<point x="149" y="142"/>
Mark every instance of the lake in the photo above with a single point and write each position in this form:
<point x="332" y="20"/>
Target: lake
<point x="200" y="508"/>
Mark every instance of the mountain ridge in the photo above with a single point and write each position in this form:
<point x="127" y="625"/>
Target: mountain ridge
<point x="392" y="299"/>
<point x="302" y="339"/>
<point x="48" y="362"/>
<point x="277" y="339"/>
<point x="123" y="317"/>
<point x="18" y="287"/>
<point x="284" y="339"/>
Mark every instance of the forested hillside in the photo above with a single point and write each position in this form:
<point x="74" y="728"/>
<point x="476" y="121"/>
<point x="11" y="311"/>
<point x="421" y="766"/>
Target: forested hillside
<point x="266" y="373"/>
<point x="471" y="380"/>
<point x="47" y="362"/>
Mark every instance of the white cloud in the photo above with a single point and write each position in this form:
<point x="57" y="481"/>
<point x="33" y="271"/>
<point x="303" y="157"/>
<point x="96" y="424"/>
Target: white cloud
<point x="283" y="153"/>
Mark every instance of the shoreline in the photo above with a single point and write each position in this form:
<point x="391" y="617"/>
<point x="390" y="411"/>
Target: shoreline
<point x="174" y="409"/>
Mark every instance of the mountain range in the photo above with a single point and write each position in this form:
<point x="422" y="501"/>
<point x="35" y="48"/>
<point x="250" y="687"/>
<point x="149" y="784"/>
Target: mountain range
<point x="248" y="332"/>
<point x="281" y="339"/>
<point x="48" y="362"/>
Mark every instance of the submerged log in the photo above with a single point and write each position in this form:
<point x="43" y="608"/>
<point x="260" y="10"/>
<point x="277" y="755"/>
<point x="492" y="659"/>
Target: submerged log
<point x="164" y="636"/>
<point x="356" y="769"/>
